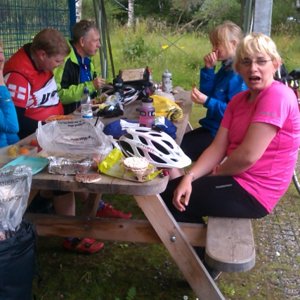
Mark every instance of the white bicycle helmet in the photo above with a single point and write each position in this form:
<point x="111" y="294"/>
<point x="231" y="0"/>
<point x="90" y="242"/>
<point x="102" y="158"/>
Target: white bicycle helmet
<point x="129" y="95"/>
<point x="158" y="147"/>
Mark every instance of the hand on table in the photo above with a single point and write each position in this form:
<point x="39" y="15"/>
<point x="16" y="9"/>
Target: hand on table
<point x="99" y="82"/>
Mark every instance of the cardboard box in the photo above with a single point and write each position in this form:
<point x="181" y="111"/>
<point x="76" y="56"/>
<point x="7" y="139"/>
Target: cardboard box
<point x="133" y="74"/>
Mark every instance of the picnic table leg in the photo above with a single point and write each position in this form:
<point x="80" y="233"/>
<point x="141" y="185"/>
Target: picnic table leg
<point x="90" y="204"/>
<point x="178" y="246"/>
<point x="32" y="194"/>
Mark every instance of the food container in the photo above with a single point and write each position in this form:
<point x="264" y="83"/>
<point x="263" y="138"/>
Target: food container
<point x="137" y="165"/>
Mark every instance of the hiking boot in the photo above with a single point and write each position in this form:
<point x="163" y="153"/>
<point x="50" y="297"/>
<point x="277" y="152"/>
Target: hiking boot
<point x="108" y="211"/>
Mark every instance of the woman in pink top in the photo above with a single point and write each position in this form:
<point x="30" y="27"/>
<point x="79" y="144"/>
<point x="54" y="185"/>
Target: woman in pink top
<point x="249" y="165"/>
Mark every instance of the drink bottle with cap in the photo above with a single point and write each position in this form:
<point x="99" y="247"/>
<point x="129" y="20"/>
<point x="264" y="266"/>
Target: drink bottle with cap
<point x="86" y="105"/>
<point x="167" y="82"/>
<point x="147" y="112"/>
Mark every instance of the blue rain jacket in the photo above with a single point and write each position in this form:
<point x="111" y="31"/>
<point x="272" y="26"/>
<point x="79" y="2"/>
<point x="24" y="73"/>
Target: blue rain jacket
<point x="220" y="87"/>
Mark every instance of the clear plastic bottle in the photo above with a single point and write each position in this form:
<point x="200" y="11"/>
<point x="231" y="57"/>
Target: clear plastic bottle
<point x="86" y="105"/>
<point x="147" y="113"/>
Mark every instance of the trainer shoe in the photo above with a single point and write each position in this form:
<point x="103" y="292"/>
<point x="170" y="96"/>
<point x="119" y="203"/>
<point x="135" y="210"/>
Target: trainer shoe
<point x="83" y="246"/>
<point x="108" y="211"/>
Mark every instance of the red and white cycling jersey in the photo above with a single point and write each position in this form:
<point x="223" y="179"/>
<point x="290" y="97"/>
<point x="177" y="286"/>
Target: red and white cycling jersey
<point x="30" y="88"/>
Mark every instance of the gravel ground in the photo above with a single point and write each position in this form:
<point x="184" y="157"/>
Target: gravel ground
<point x="276" y="275"/>
<point x="278" y="237"/>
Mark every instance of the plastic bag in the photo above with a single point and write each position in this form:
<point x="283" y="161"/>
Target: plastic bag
<point x="74" y="137"/>
<point x="165" y="107"/>
<point x="113" y="166"/>
<point x="15" y="183"/>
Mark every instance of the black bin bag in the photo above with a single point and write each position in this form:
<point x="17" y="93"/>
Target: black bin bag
<point x="17" y="264"/>
<point x="17" y="236"/>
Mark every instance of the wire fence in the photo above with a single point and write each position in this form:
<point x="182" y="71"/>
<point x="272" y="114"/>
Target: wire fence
<point x="22" y="19"/>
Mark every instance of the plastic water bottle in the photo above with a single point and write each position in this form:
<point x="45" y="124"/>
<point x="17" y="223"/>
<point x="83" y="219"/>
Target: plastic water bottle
<point x="147" y="113"/>
<point x="167" y="85"/>
<point x="86" y="105"/>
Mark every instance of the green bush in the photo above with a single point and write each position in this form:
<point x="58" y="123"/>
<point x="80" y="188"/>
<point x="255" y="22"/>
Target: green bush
<point x="134" y="49"/>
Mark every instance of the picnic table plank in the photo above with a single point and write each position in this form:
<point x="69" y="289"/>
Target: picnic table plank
<point x="230" y="244"/>
<point x="134" y="230"/>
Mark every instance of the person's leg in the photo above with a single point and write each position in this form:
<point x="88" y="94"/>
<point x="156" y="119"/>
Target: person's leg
<point x="218" y="196"/>
<point x="64" y="204"/>
<point x="195" y="142"/>
<point x="41" y="202"/>
<point x="104" y="210"/>
<point x="214" y="196"/>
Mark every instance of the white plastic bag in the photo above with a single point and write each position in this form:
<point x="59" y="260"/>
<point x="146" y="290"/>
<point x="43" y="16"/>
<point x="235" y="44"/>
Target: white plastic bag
<point x="74" y="137"/>
<point x="15" y="184"/>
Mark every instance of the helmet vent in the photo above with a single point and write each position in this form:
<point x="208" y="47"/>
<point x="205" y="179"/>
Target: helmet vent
<point x="156" y="158"/>
<point x="129" y="136"/>
<point x="169" y="144"/>
<point x="141" y="153"/>
<point x="126" y="148"/>
<point x="160" y="148"/>
<point x="143" y="140"/>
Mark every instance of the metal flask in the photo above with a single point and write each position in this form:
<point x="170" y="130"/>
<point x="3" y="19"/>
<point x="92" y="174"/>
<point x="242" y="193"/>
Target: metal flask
<point x="167" y="82"/>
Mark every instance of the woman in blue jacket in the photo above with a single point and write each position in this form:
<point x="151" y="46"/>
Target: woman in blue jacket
<point x="216" y="89"/>
<point x="9" y="126"/>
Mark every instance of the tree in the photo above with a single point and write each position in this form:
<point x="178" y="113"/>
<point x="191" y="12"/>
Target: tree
<point x="130" y="22"/>
<point x="78" y="4"/>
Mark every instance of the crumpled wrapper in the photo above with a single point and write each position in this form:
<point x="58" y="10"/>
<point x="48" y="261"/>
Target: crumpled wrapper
<point x="165" y="107"/>
<point x="112" y="165"/>
<point x="15" y="184"/>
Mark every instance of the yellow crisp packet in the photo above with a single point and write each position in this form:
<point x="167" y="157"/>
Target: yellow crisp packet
<point x="112" y="165"/>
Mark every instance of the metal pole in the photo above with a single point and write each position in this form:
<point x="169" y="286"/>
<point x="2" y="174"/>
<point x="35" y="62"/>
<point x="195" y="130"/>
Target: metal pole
<point x="102" y="50"/>
<point x="101" y="21"/>
<point x="108" y="39"/>
<point x="263" y="16"/>
<point x="248" y="16"/>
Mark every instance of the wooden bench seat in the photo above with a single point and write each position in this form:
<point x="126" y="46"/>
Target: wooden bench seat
<point x="230" y="244"/>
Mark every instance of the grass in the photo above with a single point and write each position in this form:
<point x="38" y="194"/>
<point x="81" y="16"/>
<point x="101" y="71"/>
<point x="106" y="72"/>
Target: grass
<point x="184" y="58"/>
<point x="129" y="271"/>
<point x="132" y="271"/>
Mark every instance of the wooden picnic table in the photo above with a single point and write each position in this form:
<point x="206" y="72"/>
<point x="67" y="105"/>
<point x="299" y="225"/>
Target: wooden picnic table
<point x="160" y="226"/>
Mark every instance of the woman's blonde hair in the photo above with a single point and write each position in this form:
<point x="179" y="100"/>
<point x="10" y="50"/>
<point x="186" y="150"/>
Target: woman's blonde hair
<point x="255" y="43"/>
<point x="225" y="34"/>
